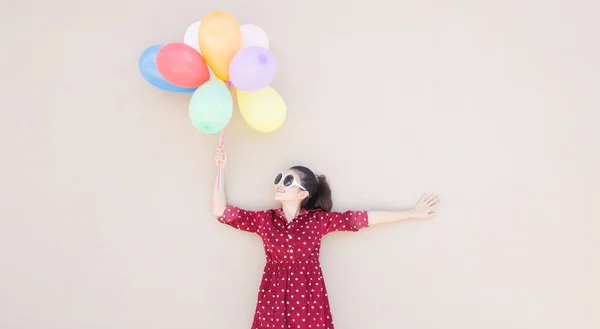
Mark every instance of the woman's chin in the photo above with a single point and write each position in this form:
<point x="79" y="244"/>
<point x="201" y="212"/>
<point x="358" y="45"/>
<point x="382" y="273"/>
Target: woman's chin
<point x="281" y="197"/>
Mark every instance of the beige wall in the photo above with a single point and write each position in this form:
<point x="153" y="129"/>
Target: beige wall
<point x="105" y="219"/>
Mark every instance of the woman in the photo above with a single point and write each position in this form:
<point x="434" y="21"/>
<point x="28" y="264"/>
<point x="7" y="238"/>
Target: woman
<point x="292" y="292"/>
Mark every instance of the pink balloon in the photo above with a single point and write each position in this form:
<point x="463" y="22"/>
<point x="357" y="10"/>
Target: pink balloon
<point x="182" y="65"/>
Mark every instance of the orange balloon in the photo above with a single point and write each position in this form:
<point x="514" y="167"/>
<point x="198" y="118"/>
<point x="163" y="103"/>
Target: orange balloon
<point x="219" y="38"/>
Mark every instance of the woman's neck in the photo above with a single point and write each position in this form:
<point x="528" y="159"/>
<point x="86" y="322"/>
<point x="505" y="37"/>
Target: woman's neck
<point x="290" y="210"/>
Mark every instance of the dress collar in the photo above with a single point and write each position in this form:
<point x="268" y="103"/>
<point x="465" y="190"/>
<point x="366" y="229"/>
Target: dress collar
<point x="302" y="212"/>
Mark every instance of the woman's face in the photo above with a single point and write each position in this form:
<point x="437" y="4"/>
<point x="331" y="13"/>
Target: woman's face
<point x="288" y="187"/>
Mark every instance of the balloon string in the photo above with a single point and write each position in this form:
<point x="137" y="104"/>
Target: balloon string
<point x="221" y="139"/>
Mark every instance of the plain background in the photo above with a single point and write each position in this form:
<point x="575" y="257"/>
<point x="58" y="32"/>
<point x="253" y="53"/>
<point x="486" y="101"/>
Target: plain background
<point x="105" y="217"/>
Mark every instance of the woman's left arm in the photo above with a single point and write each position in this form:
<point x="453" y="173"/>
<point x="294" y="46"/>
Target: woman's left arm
<point x="425" y="208"/>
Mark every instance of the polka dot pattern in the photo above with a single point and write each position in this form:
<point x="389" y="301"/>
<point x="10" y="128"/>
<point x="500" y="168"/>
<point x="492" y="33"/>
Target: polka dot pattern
<point x="292" y="292"/>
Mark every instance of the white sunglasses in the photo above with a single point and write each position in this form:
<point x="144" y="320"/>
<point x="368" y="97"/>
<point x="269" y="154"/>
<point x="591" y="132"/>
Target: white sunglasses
<point x="288" y="180"/>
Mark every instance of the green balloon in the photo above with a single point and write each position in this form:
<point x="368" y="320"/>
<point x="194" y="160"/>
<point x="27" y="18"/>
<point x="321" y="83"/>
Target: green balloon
<point x="211" y="107"/>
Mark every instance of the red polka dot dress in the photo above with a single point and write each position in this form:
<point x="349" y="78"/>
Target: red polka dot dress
<point x="292" y="293"/>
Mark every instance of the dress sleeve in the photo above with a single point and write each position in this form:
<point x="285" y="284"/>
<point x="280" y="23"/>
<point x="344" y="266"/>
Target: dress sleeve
<point x="349" y="221"/>
<point x="241" y="219"/>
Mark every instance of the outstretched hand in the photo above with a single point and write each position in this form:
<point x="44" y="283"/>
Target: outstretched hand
<point x="427" y="206"/>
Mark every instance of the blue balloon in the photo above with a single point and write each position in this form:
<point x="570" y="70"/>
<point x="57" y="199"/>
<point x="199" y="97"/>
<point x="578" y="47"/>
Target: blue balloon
<point x="147" y="65"/>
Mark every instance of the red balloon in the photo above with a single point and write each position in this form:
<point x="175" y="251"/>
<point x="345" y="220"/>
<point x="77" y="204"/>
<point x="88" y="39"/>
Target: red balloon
<point x="182" y="65"/>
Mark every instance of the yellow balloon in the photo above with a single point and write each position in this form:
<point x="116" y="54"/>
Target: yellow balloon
<point x="219" y="39"/>
<point x="263" y="110"/>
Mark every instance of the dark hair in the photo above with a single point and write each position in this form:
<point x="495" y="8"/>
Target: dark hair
<point x="319" y="193"/>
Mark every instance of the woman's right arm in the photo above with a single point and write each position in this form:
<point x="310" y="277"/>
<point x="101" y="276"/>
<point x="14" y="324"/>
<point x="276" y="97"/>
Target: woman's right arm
<point x="219" y="200"/>
<point x="233" y="216"/>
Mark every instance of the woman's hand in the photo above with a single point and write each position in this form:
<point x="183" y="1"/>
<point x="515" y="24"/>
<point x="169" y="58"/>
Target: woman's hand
<point x="221" y="157"/>
<point x="219" y="200"/>
<point x="426" y="207"/>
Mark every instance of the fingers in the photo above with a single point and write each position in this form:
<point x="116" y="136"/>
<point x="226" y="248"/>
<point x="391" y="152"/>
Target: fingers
<point x="220" y="155"/>
<point x="426" y="198"/>
<point x="431" y="199"/>
<point x="433" y="206"/>
<point x="434" y="200"/>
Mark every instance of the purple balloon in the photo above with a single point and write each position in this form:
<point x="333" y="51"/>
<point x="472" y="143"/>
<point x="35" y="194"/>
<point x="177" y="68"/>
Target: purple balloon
<point x="252" y="69"/>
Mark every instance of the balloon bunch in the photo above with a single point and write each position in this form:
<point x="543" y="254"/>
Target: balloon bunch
<point x="217" y="61"/>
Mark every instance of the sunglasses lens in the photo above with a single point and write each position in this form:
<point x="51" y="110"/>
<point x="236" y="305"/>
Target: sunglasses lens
<point x="288" y="180"/>
<point x="277" y="179"/>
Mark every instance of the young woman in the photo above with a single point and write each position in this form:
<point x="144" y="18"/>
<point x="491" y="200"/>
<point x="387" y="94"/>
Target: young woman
<point x="292" y="292"/>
